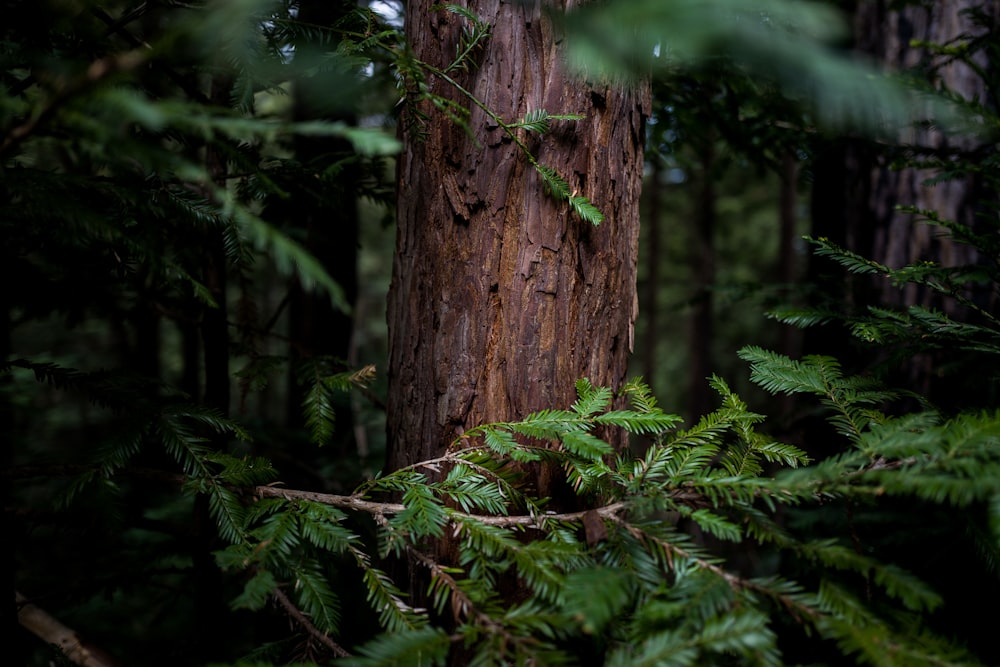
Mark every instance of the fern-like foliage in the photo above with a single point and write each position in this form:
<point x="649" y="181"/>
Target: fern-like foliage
<point x="625" y="570"/>
<point x="475" y="32"/>
<point x="538" y="120"/>
<point x="558" y="188"/>
<point x="322" y="385"/>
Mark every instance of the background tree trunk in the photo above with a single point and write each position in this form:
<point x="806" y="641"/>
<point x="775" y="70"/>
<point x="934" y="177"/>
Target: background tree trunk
<point x="501" y="297"/>
<point x="857" y="190"/>
<point x="651" y="291"/>
<point x="700" y="395"/>
<point x="207" y="584"/>
<point x="326" y="214"/>
<point x="887" y="34"/>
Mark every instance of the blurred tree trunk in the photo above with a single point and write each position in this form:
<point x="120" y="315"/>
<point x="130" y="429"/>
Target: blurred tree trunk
<point x="788" y="264"/>
<point x="702" y="332"/>
<point x="887" y="34"/>
<point x="501" y="297"/>
<point x="11" y="528"/>
<point x="326" y="213"/>
<point x="211" y="610"/>
<point x="651" y="291"/>
<point x="857" y="191"/>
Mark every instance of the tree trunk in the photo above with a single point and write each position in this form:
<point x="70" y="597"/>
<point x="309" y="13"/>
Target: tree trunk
<point x="887" y="34"/>
<point x="501" y="297"/>
<point x="328" y="216"/>
<point x="857" y="191"/>
<point x="702" y="332"/>
<point x="651" y="293"/>
<point x="210" y="615"/>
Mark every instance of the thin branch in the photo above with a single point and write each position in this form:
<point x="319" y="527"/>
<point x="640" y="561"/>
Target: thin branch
<point x="304" y="621"/>
<point x="464" y="607"/>
<point x="48" y="628"/>
<point x="377" y="508"/>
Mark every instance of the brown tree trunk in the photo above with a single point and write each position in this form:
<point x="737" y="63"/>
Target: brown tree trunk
<point x="857" y="191"/>
<point x="651" y="291"/>
<point x="501" y="297"/>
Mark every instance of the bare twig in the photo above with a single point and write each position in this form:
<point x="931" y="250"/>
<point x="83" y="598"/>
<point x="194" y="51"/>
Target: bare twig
<point x="377" y="508"/>
<point x="46" y="627"/>
<point x="304" y="621"/>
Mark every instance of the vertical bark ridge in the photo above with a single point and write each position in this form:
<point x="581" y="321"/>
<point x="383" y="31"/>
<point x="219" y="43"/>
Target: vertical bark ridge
<point x="501" y="296"/>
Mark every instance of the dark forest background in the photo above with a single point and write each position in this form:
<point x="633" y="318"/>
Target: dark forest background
<point x="197" y="209"/>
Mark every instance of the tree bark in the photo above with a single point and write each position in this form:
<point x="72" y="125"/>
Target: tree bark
<point x="501" y="297"/>
<point x="857" y="190"/>
<point x="887" y="33"/>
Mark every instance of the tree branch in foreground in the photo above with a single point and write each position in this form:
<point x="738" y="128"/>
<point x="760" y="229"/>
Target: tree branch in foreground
<point x="381" y="509"/>
<point x="304" y="621"/>
<point x="46" y="627"/>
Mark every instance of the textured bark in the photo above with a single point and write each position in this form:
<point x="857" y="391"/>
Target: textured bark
<point x="856" y="192"/>
<point x="501" y="297"/>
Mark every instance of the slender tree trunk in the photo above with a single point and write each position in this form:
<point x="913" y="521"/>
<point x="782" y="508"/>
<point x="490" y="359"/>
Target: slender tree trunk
<point x="329" y="218"/>
<point x="11" y="528"/>
<point x="215" y="329"/>
<point x="210" y="604"/>
<point x="650" y="300"/>
<point x="788" y="264"/>
<point x="501" y="297"/>
<point x="700" y="365"/>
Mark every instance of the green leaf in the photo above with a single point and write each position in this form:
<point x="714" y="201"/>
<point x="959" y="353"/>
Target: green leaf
<point x="590" y="399"/>
<point x="424" y="514"/>
<point x="320" y="525"/>
<point x="586" y="445"/>
<point x="536" y="120"/>
<point x="639" y="422"/>
<point x="717" y="526"/>
<point x="554" y="183"/>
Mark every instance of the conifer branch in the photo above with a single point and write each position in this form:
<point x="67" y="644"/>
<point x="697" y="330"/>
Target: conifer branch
<point x="53" y="632"/>
<point x="736" y="582"/>
<point x="386" y="508"/>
